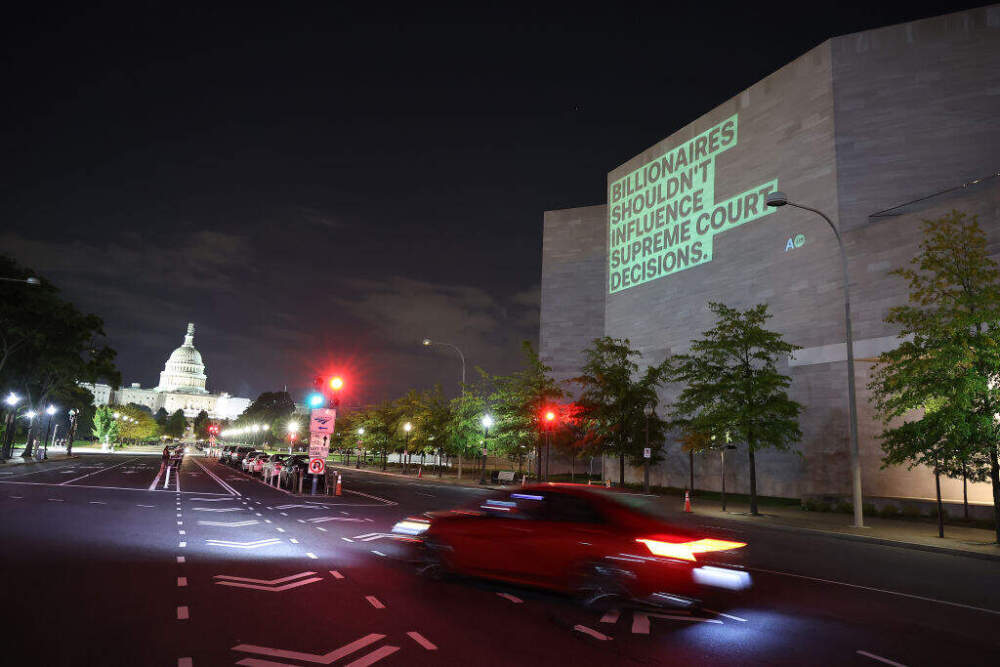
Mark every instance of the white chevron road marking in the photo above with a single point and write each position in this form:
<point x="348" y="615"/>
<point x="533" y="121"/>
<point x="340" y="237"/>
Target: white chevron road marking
<point x="243" y="545"/>
<point x="218" y="509"/>
<point x="229" y="524"/>
<point x="324" y="659"/>
<point x="294" y="581"/>
<point x="321" y="519"/>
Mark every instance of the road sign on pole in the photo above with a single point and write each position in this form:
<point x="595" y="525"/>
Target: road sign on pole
<point x="322" y="420"/>
<point x="319" y="446"/>
<point x="317" y="466"/>
<point x="647" y="453"/>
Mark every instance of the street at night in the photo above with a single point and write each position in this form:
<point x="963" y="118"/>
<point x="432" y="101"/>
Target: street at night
<point x="221" y="569"/>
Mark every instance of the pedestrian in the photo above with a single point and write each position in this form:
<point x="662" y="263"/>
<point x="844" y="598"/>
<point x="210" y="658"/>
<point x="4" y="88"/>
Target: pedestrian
<point x="166" y="457"/>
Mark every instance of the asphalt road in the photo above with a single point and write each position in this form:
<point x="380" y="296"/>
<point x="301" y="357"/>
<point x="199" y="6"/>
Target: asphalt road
<point x="101" y="565"/>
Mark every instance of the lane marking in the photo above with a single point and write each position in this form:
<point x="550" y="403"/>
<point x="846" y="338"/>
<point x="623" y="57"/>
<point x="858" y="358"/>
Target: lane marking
<point x="293" y="541"/>
<point x="693" y="619"/>
<point x="420" y="639"/>
<point x="320" y="658"/>
<point x="228" y="524"/>
<point x="180" y="559"/>
<point x="512" y="598"/>
<point x="719" y="613"/>
<point x="336" y="575"/>
<point x="880" y="659"/>
<point x="312" y="555"/>
<point x="211" y="500"/>
<point x="218" y="509"/>
<point x="640" y="623"/>
<point x="273" y="589"/>
<point x="184" y="662"/>
<point x="231" y="490"/>
<point x="878" y="590"/>
<point x="256" y="662"/>
<point x="373" y="657"/>
<point x="182" y="545"/>
<point x="268" y="582"/>
<point x="375" y="602"/>
<point x="279" y="529"/>
<point x="145" y="505"/>
<point x="321" y="528"/>
<point x="593" y="633"/>
<point x="92" y="486"/>
<point x="243" y="545"/>
<point x="156" y="480"/>
<point x="347" y="539"/>
<point x="181" y="532"/>
<point x="92" y="502"/>
<point x="69" y="481"/>
<point x="611" y="616"/>
<point x="56" y="500"/>
<point x="378" y="553"/>
<point x="323" y="519"/>
<point x="182" y="613"/>
<point x="182" y="581"/>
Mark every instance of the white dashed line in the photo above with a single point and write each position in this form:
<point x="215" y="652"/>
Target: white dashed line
<point x="180" y="523"/>
<point x="375" y="602"/>
<point x="336" y="575"/>
<point x="593" y="633"/>
<point x="378" y="553"/>
<point x="293" y="541"/>
<point x="420" y="639"/>
<point x="56" y="500"/>
<point x="729" y="616"/>
<point x="180" y="559"/>
<point x="610" y="617"/>
<point x="880" y="659"/>
<point x="279" y="529"/>
<point x="311" y="555"/>
<point x="182" y="581"/>
<point x="92" y="502"/>
<point x="182" y="613"/>
<point x="182" y="545"/>
<point x="347" y="539"/>
<point x="512" y="598"/>
<point x="284" y="514"/>
<point x="301" y="520"/>
<point x="321" y="528"/>
<point x="184" y="662"/>
<point x="181" y="532"/>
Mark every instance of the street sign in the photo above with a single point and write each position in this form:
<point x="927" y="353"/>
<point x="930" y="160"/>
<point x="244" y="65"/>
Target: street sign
<point x="317" y="466"/>
<point x="322" y="420"/>
<point x="647" y="453"/>
<point x="319" y="446"/>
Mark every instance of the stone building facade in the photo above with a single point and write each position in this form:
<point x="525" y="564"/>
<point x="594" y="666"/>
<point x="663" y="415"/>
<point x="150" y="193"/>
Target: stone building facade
<point x="880" y="130"/>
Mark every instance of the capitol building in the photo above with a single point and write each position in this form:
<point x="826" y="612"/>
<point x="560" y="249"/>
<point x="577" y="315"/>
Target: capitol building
<point x="182" y="387"/>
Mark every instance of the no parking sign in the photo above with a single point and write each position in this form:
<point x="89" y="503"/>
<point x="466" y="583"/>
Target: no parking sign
<point x="317" y="466"/>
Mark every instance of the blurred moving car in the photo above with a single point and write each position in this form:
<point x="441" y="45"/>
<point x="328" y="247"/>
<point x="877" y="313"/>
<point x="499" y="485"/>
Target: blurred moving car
<point x="578" y="539"/>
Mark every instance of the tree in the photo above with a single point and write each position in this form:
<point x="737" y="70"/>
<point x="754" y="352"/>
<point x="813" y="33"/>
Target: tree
<point x="732" y="384"/>
<point x="613" y="400"/>
<point x="464" y="431"/>
<point x="176" y="424"/>
<point x="518" y="401"/>
<point x="47" y="346"/>
<point x="161" y="418"/>
<point x="200" y="425"/>
<point x="952" y="320"/>
<point x="105" y="425"/>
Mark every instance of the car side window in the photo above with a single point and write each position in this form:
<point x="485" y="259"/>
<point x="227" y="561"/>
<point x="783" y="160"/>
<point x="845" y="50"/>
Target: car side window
<point x="572" y="509"/>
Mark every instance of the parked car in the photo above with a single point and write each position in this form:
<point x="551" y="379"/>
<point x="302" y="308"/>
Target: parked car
<point x="237" y="456"/>
<point x="272" y="465"/>
<point x="226" y="452"/>
<point x="290" y="469"/>
<point x="574" y="538"/>
<point x="255" y="462"/>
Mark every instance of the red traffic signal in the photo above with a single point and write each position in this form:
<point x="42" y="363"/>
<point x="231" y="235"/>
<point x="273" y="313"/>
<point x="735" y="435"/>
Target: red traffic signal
<point x="550" y="416"/>
<point x="336" y="383"/>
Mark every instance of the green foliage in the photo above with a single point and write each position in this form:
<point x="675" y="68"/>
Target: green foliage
<point x="143" y="428"/>
<point x="176" y="424"/>
<point x="613" y="400"/>
<point x="105" y="426"/>
<point x="944" y="382"/>
<point x="161" y="418"/>
<point x="200" y="425"/>
<point x="517" y="402"/>
<point x="733" y="389"/>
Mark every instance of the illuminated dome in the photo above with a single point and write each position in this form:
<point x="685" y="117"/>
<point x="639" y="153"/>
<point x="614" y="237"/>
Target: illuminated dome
<point x="184" y="371"/>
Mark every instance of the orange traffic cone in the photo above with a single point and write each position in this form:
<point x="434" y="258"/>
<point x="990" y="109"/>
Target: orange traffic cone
<point x="420" y="472"/>
<point x="337" y="492"/>
<point x="687" y="501"/>
<point x="607" y="484"/>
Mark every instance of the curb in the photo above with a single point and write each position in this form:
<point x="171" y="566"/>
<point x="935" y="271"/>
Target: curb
<point x="430" y="480"/>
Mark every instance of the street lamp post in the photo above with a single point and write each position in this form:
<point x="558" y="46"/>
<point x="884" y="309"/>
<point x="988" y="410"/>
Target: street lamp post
<point x="648" y="410"/>
<point x="407" y="427"/>
<point x="486" y="421"/>
<point x="357" y="460"/>
<point x="550" y="418"/>
<point x="33" y="281"/>
<point x="777" y="199"/>
<point x="51" y="410"/>
<point x="74" y="416"/>
<point x="30" y="416"/>
<point x="11" y="400"/>
<point x="428" y="342"/>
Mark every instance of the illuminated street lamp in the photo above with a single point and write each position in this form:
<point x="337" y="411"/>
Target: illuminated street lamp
<point x="427" y="342"/>
<point x="550" y="419"/>
<point x="407" y="427"/>
<point x="487" y="422"/>
<point x="648" y="410"/>
<point x="51" y="410"/>
<point x="778" y="199"/>
<point x="11" y="400"/>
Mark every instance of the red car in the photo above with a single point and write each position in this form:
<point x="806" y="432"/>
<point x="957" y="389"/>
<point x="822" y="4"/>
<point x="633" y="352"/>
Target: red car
<point x="575" y="538"/>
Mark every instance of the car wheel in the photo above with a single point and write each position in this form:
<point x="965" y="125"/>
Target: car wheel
<point x="601" y="586"/>
<point x="431" y="562"/>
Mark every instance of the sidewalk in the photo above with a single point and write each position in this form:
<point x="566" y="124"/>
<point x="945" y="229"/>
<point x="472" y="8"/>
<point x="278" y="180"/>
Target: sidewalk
<point x="913" y="534"/>
<point x="16" y="459"/>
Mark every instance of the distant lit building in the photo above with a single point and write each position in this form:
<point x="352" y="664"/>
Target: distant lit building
<point x="182" y="387"/>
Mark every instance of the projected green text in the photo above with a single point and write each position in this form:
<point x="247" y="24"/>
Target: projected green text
<point x="663" y="215"/>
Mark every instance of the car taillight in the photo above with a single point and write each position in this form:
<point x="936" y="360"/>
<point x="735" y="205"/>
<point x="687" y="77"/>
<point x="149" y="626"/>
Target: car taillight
<point x="687" y="550"/>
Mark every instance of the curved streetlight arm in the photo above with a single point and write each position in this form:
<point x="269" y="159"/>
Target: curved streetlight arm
<point x="460" y="356"/>
<point x="852" y="398"/>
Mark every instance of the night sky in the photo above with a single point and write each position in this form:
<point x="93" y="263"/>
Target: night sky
<point x="319" y="186"/>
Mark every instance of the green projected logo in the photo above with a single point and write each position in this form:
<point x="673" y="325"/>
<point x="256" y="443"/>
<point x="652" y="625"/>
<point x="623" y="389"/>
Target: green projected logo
<point x="663" y="215"/>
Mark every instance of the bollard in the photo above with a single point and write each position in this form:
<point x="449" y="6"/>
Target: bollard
<point x="166" y="480"/>
<point x="338" y="485"/>
<point x="607" y="484"/>
<point x="300" y="481"/>
<point x="687" y="501"/>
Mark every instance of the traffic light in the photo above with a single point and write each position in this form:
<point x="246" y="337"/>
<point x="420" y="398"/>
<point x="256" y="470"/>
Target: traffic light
<point x="316" y="400"/>
<point x="550" y="416"/>
<point x="336" y="383"/>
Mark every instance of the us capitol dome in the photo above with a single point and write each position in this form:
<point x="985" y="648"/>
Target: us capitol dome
<point x="183" y="386"/>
